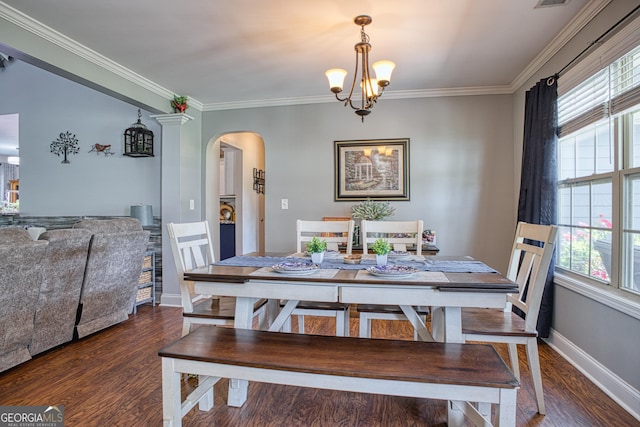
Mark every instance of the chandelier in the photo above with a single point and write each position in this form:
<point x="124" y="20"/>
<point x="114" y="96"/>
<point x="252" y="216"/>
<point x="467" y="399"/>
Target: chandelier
<point x="369" y="86"/>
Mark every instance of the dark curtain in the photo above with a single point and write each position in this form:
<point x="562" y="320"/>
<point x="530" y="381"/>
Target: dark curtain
<point x="538" y="200"/>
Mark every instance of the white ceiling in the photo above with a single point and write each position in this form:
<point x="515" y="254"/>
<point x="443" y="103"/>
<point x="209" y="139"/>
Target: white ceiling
<point x="223" y="53"/>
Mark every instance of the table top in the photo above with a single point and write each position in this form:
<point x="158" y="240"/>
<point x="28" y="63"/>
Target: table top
<point x="444" y="281"/>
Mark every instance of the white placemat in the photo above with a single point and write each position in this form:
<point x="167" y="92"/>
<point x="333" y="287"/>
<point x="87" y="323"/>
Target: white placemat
<point x="318" y="274"/>
<point x="420" y="276"/>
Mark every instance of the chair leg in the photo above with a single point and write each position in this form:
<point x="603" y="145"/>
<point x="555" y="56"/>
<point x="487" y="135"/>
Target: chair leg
<point x="340" y="327"/>
<point x="186" y="326"/>
<point x="301" y="324"/>
<point x="262" y="318"/>
<point x="513" y="358"/>
<point x="286" y="327"/>
<point x="346" y="322"/>
<point x="534" y="367"/>
<point x="365" y="326"/>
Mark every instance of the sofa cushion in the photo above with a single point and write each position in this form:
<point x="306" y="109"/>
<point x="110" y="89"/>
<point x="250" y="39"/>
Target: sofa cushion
<point x="9" y="235"/>
<point x="20" y="279"/>
<point x="63" y="272"/>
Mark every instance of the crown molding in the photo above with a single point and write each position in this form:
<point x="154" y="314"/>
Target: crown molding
<point x="40" y="30"/>
<point x="578" y="23"/>
<point x="325" y="99"/>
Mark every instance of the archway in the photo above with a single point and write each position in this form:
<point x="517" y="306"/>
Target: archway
<point x="248" y="153"/>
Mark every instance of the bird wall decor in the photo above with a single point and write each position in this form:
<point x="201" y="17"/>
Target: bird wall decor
<point x="104" y="149"/>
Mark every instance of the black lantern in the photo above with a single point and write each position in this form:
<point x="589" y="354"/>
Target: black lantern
<point x="138" y="140"/>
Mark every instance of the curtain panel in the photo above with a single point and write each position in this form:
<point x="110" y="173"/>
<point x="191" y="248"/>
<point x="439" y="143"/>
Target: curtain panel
<point x="538" y="196"/>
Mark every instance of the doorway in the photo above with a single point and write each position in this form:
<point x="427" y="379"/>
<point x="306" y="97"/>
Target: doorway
<point x="229" y="194"/>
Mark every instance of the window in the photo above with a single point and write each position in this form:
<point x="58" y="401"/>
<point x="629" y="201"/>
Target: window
<point x="599" y="174"/>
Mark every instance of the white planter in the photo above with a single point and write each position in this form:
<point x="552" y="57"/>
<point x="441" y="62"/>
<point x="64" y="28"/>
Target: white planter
<point x="317" y="257"/>
<point x="381" y="259"/>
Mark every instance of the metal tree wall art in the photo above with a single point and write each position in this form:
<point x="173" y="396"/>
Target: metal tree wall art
<point x="66" y="144"/>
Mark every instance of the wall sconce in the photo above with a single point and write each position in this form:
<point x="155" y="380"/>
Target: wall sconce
<point x="258" y="180"/>
<point x="138" y="140"/>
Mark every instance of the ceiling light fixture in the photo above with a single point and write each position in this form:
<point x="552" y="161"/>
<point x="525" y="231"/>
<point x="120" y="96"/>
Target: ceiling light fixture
<point x="368" y="86"/>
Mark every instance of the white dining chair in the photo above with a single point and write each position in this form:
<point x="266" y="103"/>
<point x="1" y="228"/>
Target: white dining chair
<point x="528" y="266"/>
<point x="336" y="234"/>
<point x="191" y="248"/>
<point x="401" y="235"/>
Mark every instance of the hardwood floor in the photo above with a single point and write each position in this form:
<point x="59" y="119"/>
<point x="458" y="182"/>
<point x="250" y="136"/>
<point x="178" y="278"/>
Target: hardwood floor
<point x="113" y="378"/>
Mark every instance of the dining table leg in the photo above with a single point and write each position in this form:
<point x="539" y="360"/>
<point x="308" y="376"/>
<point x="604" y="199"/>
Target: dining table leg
<point x="417" y="322"/>
<point x="446" y="324"/>
<point x="283" y="315"/>
<point x="243" y="320"/>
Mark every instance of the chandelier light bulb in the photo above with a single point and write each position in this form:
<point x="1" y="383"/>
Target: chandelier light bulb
<point x="336" y="79"/>
<point x="383" y="71"/>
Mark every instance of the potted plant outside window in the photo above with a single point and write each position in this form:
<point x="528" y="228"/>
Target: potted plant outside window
<point x="381" y="248"/>
<point x="316" y="248"/>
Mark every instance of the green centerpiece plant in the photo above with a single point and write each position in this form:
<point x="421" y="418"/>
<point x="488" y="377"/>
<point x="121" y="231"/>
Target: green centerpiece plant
<point x="316" y="248"/>
<point x="381" y="248"/>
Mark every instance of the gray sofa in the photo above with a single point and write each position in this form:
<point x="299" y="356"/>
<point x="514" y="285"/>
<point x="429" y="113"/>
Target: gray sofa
<point x="20" y="278"/>
<point x="63" y="273"/>
<point x="70" y="282"/>
<point x="113" y="268"/>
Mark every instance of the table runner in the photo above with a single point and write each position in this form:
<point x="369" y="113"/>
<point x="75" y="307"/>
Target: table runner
<point x="420" y="276"/>
<point x="444" y="266"/>
<point x="320" y="273"/>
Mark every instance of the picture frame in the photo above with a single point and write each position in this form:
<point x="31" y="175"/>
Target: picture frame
<point x="371" y="169"/>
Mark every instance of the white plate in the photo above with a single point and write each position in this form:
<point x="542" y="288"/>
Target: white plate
<point x="392" y="270"/>
<point x="327" y="254"/>
<point x="295" y="268"/>
<point x="398" y="255"/>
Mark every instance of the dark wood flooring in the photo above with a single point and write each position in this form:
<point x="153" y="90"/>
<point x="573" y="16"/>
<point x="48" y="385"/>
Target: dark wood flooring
<point x="113" y="378"/>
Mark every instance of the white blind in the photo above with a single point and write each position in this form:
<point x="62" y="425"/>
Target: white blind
<point x="585" y="104"/>
<point x="612" y="89"/>
<point x="625" y="81"/>
<point x="615" y="47"/>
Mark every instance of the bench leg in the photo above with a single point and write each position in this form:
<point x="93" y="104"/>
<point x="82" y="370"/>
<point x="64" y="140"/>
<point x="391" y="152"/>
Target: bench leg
<point x="206" y="402"/>
<point x="171" y="403"/>
<point x="237" y="392"/>
<point x="506" y="410"/>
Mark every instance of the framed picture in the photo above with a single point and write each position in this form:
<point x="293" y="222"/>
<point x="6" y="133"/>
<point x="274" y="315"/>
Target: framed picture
<point x="374" y="168"/>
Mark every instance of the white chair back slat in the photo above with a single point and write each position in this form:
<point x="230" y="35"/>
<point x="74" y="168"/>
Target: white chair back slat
<point x="333" y="232"/>
<point x="400" y="234"/>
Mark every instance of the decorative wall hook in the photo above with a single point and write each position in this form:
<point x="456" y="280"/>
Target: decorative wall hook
<point x="258" y="180"/>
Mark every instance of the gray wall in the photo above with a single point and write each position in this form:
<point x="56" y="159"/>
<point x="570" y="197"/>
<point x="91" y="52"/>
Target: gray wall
<point x="91" y="184"/>
<point x="461" y="166"/>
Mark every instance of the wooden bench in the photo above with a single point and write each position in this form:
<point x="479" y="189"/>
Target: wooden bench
<point x="459" y="373"/>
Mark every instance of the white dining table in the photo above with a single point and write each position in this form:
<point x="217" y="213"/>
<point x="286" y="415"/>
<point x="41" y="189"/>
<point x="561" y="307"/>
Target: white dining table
<point x="449" y="291"/>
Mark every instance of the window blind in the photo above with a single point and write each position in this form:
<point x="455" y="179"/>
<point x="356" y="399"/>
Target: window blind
<point x="610" y="90"/>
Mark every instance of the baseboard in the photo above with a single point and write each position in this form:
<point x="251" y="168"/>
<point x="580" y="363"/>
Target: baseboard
<point x="614" y="386"/>
<point x="172" y="300"/>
